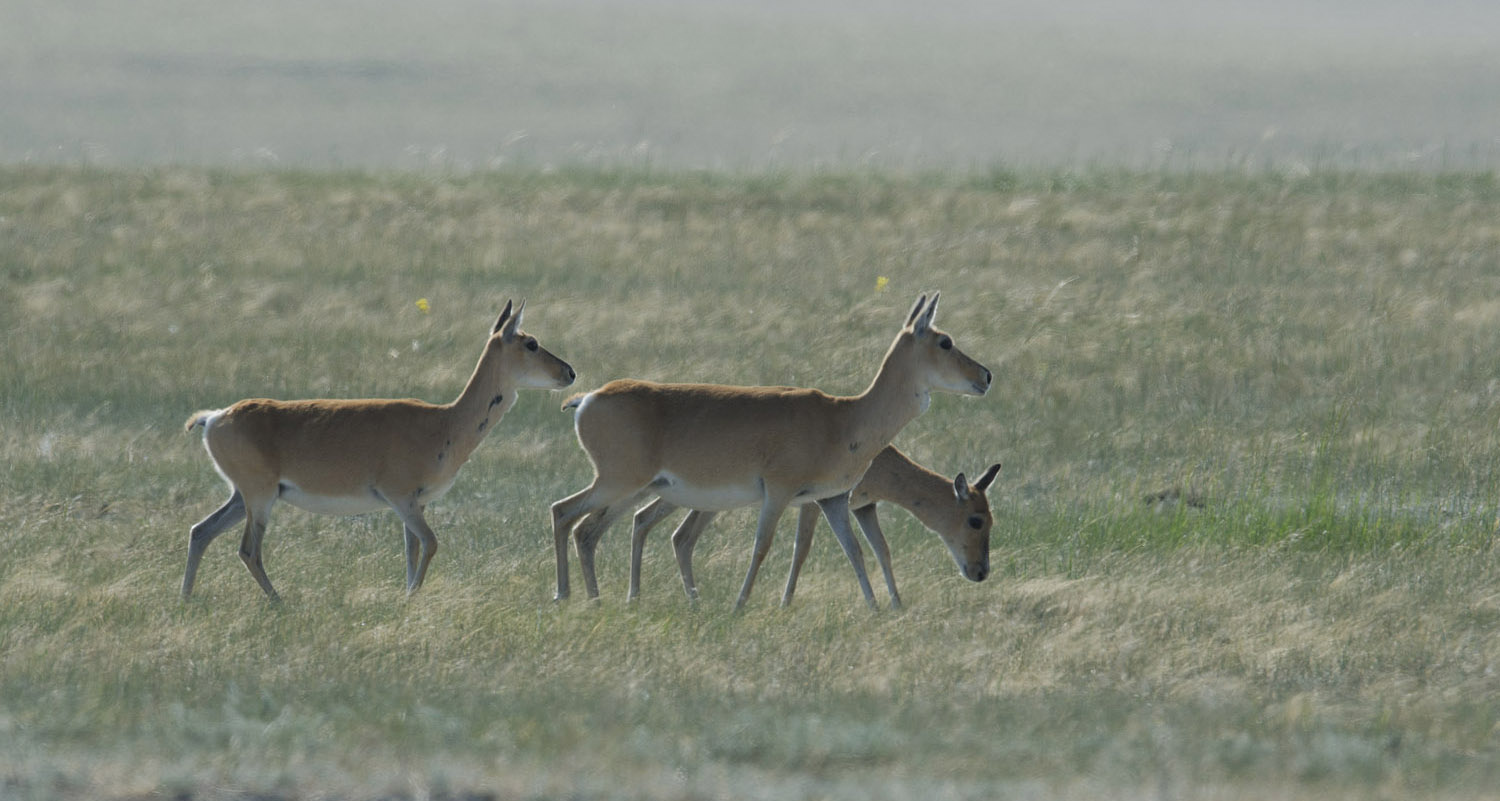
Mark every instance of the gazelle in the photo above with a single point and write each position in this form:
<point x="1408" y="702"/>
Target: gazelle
<point x="959" y="513"/>
<point x="715" y="447"/>
<point x="344" y="457"/>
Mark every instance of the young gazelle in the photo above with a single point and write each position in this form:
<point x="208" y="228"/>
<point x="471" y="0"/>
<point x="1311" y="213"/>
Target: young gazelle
<point x="715" y="447"/>
<point x="344" y="457"/>
<point x="954" y="510"/>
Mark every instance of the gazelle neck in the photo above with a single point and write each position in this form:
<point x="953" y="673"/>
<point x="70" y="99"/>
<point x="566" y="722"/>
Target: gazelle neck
<point x="896" y="397"/>
<point x="484" y="400"/>
<point x="897" y="479"/>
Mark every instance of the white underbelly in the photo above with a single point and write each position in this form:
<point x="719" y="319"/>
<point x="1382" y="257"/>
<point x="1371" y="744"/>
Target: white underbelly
<point x="706" y="499"/>
<point x="330" y="504"/>
<point x="722" y="498"/>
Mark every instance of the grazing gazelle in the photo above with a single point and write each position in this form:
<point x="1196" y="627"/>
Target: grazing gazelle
<point x="959" y="513"/>
<point x="344" y="457"/>
<point x="715" y="447"/>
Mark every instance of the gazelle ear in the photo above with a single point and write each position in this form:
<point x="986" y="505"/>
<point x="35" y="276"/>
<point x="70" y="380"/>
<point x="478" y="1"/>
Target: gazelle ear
<point x="500" y="323"/>
<point x="911" y="317"/>
<point x="961" y="488"/>
<point x="508" y="331"/>
<point x="924" y="320"/>
<point x="988" y="478"/>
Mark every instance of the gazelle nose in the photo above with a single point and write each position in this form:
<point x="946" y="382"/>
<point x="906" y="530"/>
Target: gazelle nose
<point x="979" y="572"/>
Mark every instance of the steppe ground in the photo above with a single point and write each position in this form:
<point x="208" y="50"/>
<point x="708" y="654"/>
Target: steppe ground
<point x="1314" y="358"/>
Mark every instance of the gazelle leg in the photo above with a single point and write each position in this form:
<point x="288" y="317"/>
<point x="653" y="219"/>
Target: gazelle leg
<point x="836" y="509"/>
<point x="593" y="506"/>
<point x="684" y="540"/>
<point x="869" y="523"/>
<point x="588" y="533"/>
<point x="415" y="528"/>
<point x="413" y="548"/>
<point x="205" y="531"/>
<point x="645" y="519"/>
<point x="565" y="513"/>
<point x="257" y="515"/>
<point x="765" y="531"/>
<point x="586" y="536"/>
<point x="807" y="521"/>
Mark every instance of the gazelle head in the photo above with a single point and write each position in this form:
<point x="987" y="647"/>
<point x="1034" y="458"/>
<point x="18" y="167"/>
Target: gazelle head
<point x="522" y="358"/>
<point x="966" y="528"/>
<point x="932" y="352"/>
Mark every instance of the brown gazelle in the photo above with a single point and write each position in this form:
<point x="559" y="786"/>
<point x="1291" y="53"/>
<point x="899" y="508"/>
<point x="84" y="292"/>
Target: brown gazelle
<point x="715" y="447"/>
<point x="345" y="457"/>
<point x="959" y="513"/>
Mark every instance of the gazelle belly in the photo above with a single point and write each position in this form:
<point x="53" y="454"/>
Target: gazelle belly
<point x="329" y="504"/>
<point x="706" y="498"/>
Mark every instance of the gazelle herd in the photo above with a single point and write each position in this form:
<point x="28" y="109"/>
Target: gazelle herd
<point x="704" y="447"/>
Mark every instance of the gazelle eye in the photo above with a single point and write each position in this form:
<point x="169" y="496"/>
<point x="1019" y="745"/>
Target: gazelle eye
<point x="531" y="345"/>
<point x="945" y="343"/>
<point x="976" y="522"/>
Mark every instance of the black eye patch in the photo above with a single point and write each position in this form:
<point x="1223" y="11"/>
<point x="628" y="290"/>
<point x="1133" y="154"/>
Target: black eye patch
<point x="531" y="345"/>
<point x="945" y="343"/>
<point x="976" y="522"/>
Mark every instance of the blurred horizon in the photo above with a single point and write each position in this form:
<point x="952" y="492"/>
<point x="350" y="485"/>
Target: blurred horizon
<point x="736" y="85"/>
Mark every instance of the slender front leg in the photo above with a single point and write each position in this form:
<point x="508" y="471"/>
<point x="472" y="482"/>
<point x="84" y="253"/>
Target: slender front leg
<point x="765" y="530"/>
<point x="416" y="525"/>
<point x="836" y="509"/>
<point x="869" y="522"/>
<point x="807" y="521"/>
<point x="684" y="540"/>
<point x="233" y="511"/>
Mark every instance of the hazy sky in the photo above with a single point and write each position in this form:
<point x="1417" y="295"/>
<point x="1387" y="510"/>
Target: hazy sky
<point x="741" y="84"/>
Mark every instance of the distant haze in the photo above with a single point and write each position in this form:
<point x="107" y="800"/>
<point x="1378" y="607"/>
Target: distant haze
<point x="747" y="84"/>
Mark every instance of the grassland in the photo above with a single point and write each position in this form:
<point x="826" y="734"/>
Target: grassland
<point x="1316" y="355"/>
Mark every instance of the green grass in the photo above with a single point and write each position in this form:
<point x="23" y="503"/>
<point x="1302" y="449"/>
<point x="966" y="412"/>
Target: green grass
<point x="1316" y="356"/>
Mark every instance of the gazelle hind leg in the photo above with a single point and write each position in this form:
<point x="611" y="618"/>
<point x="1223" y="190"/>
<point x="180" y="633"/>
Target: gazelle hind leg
<point x="257" y="515"/>
<point x="565" y="513"/>
<point x="684" y="540"/>
<point x="594" y="503"/>
<point x="205" y="531"/>
<point x="644" y="520"/>
<point x="589" y="531"/>
<point x="413" y="550"/>
<point x="586" y="536"/>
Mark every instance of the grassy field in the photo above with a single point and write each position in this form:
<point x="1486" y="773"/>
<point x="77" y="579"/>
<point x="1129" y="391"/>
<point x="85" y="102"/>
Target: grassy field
<point x="1316" y="356"/>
